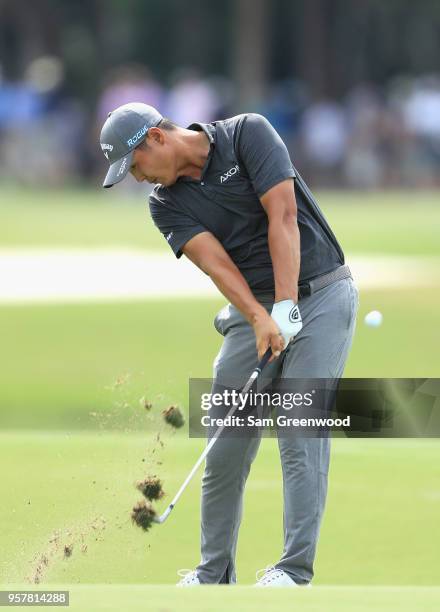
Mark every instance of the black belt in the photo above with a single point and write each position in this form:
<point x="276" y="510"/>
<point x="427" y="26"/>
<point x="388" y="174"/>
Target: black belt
<point x="307" y="288"/>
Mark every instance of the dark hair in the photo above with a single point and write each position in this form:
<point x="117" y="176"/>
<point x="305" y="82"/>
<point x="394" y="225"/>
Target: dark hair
<point x="165" y="124"/>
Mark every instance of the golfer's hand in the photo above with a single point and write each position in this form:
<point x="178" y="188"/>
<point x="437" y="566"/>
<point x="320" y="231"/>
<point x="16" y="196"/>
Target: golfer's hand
<point x="287" y="316"/>
<point x="267" y="334"/>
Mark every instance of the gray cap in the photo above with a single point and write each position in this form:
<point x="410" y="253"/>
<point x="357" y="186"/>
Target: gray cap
<point x="124" y="129"/>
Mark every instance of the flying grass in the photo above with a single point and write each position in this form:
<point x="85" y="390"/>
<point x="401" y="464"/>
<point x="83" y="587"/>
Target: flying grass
<point x="143" y="514"/>
<point x="173" y="417"/>
<point x="151" y="488"/>
<point x="68" y="550"/>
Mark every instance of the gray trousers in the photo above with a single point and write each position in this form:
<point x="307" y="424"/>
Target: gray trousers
<point x="319" y="351"/>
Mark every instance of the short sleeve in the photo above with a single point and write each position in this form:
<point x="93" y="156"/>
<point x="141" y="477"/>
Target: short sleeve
<point x="176" y="227"/>
<point x="263" y="153"/>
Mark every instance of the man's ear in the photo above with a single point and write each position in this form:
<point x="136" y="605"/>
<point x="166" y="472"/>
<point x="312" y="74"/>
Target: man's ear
<point x="156" y="135"/>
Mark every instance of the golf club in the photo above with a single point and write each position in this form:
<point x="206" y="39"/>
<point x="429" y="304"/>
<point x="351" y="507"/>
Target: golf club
<point x="253" y="377"/>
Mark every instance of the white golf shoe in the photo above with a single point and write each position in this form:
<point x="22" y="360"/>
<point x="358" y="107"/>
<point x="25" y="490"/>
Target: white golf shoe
<point x="274" y="577"/>
<point x="189" y="578"/>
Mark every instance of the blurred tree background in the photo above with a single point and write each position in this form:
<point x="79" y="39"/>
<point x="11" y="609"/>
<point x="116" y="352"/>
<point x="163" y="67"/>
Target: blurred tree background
<point x="332" y="44"/>
<point x="277" y="57"/>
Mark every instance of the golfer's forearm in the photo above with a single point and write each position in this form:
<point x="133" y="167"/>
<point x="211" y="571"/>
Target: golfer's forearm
<point x="284" y="247"/>
<point x="206" y="252"/>
<point x="229" y="280"/>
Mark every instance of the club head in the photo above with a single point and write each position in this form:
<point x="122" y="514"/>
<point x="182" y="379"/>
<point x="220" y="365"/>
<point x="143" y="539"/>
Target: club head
<point x="163" y="517"/>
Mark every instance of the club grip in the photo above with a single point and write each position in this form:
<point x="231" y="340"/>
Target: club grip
<point x="263" y="361"/>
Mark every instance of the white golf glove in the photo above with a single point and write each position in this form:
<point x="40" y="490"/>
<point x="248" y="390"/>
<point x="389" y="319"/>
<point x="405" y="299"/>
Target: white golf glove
<point x="287" y="316"/>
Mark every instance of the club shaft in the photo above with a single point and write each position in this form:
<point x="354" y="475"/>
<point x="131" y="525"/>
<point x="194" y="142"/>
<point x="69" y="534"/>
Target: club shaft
<point x="253" y="377"/>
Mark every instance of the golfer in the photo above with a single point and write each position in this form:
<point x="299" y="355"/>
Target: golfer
<point x="228" y="197"/>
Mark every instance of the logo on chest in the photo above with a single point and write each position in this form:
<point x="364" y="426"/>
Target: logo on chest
<point x="227" y="175"/>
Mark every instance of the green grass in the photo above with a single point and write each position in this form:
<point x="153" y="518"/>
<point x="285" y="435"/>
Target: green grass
<point x="405" y="345"/>
<point x="246" y="599"/>
<point x="386" y="222"/>
<point x="70" y="367"/>
<point x="77" y="218"/>
<point x="63" y="361"/>
<point x="380" y="526"/>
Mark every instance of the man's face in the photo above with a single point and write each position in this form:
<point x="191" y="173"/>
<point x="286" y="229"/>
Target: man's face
<point x="155" y="163"/>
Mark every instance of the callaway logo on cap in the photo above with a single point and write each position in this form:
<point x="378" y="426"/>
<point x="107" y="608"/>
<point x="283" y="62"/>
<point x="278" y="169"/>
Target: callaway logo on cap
<point x="124" y="129"/>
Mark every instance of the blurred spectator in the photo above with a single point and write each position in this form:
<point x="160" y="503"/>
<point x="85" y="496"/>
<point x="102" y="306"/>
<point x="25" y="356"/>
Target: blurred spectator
<point x="129" y="83"/>
<point x="324" y="140"/>
<point x="224" y="96"/>
<point x="421" y="115"/>
<point x="373" y="138"/>
<point x="40" y="126"/>
<point x="19" y="103"/>
<point x="363" y="167"/>
<point x="283" y="106"/>
<point x="191" y="98"/>
<point x="422" y="108"/>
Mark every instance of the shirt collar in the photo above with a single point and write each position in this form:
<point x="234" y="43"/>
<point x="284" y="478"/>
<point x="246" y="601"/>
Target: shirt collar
<point x="208" y="128"/>
<point x="210" y="132"/>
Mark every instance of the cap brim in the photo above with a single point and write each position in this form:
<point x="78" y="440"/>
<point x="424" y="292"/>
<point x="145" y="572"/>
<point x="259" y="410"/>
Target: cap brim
<point x="118" y="170"/>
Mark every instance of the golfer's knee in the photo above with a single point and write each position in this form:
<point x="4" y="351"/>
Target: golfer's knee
<point x="309" y="455"/>
<point x="227" y="463"/>
<point x="220" y="463"/>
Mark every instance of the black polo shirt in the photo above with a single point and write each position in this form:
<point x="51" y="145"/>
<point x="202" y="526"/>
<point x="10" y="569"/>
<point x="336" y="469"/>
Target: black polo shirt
<point x="247" y="157"/>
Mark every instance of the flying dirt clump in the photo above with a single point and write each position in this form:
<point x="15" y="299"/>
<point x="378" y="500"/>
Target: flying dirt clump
<point x="173" y="417"/>
<point x="68" y="549"/>
<point x="151" y="488"/>
<point x="143" y="514"/>
<point x="147" y="405"/>
<point x="43" y="562"/>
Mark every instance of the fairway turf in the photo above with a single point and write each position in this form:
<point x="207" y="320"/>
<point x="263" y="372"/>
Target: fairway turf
<point x="71" y="356"/>
<point x="247" y="599"/>
<point x="72" y="373"/>
<point x="380" y="526"/>
<point x="375" y="222"/>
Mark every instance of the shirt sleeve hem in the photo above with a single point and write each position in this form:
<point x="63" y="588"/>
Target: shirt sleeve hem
<point x="177" y="248"/>
<point x="274" y="180"/>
